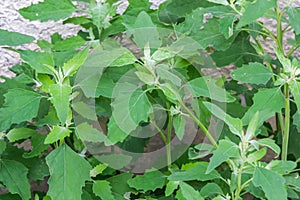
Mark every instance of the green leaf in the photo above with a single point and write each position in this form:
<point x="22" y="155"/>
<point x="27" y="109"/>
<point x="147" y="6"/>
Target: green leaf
<point x="255" y="10"/>
<point x="257" y="155"/>
<point x="69" y="44"/>
<point x="19" y="134"/>
<point x="267" y="142"/>
<point x="268" y="180"/>
<point x="189" y="192"/>
<point x="14" y="176"/>
<point x="294" y="15"/>
<point x="2" y="146"/>
<point x="250" y="133"/>
<point x="166" y="75"/>
<point x="211" y="189"/>
<point x="39" y="61"/>
<point x="194" y="171"/>
<point x="115" y="133"/>
<point x="87" y="132"/>
<point x="295" y="90"/>
<point x="73" y="64"/>
<point x="38" y="146"/>
<point x="84" y="110"/>
<point x="8" y="38"/>
<point x="151" y="180"/>
<point x="254" y="73"/>
<point x="282" y="167"/>
<point x="235" y="124"/>
<point x="224" y="152"/>
<point x="20" y="105"/>
<point x="103" y="190"/>
<point x="171" y="187"/>
<point x="68" y="173"/>
<point x="119" y="184"/>
<point x="223" y="2"/>
<point x="179" y="126"/>
<point x="48" y="10"/>
<point x="207" y="87"/>
<point x="100" y="14"/>
<point x="57" y="133"/>
<point x="60" y="98"/>
<point x="267" y="101"/>
<point x="98" y="170"/>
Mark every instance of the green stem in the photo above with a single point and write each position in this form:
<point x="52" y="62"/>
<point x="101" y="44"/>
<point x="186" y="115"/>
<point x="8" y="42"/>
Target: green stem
<point x="279" y="32"/>
<point x="285" y="137"/>
<point x="168" y="146"/>
<point x="201" y="126"/>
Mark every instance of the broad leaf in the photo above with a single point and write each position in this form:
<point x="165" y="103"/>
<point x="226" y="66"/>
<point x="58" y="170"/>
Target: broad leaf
<point x="68" y="44"/>
<point x="255" y="10"/>
<point x="211" y="189"/>
<point x="171" y="187"/>
<point x="115" y="133"/>
<point x="235" y="124"/>
<point x="56" y="134"/>
<point x="68" y="173"/>
<point x="100" y="14"/>
<point x="254" y="73"/>
<point x="60" y="98"/>
<point x="294" y="15"/>
<point x="103" y="190"/>
<point x="207" y="87"/>
<point x="73" y="64"/>
<point x="151" y="180"/>
<point x="39" y="61"/>
<point x="38" y="146"/>
<point x="14" y="176"/>
<point x="119" y="184"/>
<point x="179" y="126"/>
<point x="20" y="105"/>
<point x="281" y="167"/>
<point x="267" y="101"/>
<point x="19" y="134"/>
<point x="268" y="180"/>
<point x="84" y="110"/>
<point x="194" y="171"/>
<point x="86" y="132"/>
<point x="224" y="152"/>
<point x="48" y="10"/>
<point x="8" y="38"/>
<point x="188" y="192"/>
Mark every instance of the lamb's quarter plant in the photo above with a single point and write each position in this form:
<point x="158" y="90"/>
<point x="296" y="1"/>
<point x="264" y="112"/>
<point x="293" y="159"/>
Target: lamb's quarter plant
<point x="82" y="113"/>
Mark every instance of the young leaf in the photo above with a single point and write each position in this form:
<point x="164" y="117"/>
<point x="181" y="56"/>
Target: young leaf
<point x="267" y="101"/>
<point x="266" y="142"/>
<point x="38" y="146"/>
<point x="102" y="189"/>
<point x="235" y="125"/>
<point x="60" y="98"/>
<point x="253" y="73"/>
<point x="98" y="170"/>
<point x="84" y="110"/>
<point x="207" y="87"/>
<point x="225" y="151"/>
<point x="179" y="126"/>
<point x="188" y="192"/>
<point x="268" y="180"/>
<point x="39" y="61"/>
<point x="171" y="187"/>
<point x="20" y="105"/>
<point x="86" y="132"/>
<point x="255" y="10"/>
<point x="294" y="15"/>
<point x="257" y="155"/>
<point x="19" y="134"/>
<point x="14" y="176"/>
<point x="211" y="189"/>
<point x="68" y="173"/>
<point x="48" y="10"/>
<point x="8" y="38"/>
<point x="69" y="44"/>
<point x="100" y="14"/>
<point x="57" y="133"/>
<point x="151" y="180"/>
<point x="73" y="64"/>
<point x="250" y="133"/>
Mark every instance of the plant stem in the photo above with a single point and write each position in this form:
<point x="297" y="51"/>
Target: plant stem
<point x="279" y="33"/>
<point x="199" y="123"/>
<point x="168" y="146"/>
<point x="285" y="137"/>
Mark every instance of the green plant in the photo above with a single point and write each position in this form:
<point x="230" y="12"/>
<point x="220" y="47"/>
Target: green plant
<point x="82" y="113"/>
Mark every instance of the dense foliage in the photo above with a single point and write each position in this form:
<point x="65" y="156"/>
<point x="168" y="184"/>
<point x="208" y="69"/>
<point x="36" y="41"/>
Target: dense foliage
<point x="96" y="118"/>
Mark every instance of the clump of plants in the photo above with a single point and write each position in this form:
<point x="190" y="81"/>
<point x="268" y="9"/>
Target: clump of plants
<point x="91" y="119"/>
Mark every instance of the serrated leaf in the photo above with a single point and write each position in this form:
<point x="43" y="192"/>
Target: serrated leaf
<point x="255" y="10"/>
<point x="68" y="173"/>
<point x="194" y="171"/>
<point x="38" y="146"/>
<point x="57" y="133"/>
<point x="60" y="97"/>
<point x="207" y="87"/>
<point x="254" y="73"/>
<point x="100" y="14"/>
<point x="235" y="124"/>
<point x="267" y="101"/>
<point x="171" y="187"/>
<point x="211" y="189"/>
<point x="188" y="192"/>
<point x="8" y="38"/>
<point x="268" y="180"/>
<point x="71" y="66"/>
<point x="19" y="134"/>
<point x="115" y="134"/>
<point x="103" y="190"/>
<point x="87" y="132"/>
<point x="48" y="10"/>
<point x="13" y="175"/>
<point x="224" y="152"/>
<point x="179" y="126"/>
<point x="68" y="44"/>
<point x="98" y="170"/>
<point x="294" y="15"/>
<point x="20" y="105"/>
<point x="119" y="184"/>
<point x="39" y="61"/>
<point x="151" y="180"/>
